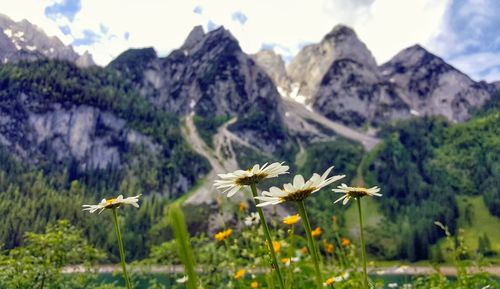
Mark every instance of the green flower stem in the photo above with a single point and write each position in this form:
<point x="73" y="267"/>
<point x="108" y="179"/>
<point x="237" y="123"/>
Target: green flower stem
<point x="363" y="248"/>
<point x="120" y="246"/>
<point x="310" y="240"/>
<point x="268" y="237"/>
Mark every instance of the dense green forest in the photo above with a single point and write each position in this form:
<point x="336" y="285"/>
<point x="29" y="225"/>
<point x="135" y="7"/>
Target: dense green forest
<point x="423" y="165"/>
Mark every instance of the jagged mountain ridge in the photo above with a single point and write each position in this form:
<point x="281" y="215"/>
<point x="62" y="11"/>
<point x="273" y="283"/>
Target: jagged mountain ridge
<point x="211" y="76"/>
<point x="340" y="79"/>
<point x="25" y="41"/>
<point x="433" y="87"/>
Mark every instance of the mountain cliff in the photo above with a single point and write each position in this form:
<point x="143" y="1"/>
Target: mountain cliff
<point x="340" y="79"/>
<point x="312" y="63"/>
<point x="433" y="87"/>
<point x="211" y="76"/>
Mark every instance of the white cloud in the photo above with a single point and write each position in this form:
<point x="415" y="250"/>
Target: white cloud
<point x="479" y="66"/>
<point x="492" y="75"/>
<point x="393" y="25"/>
<point x="386" y="26"/>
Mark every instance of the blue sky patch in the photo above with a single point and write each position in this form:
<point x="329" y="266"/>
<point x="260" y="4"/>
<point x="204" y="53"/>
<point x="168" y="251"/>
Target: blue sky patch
<point x="65" y="29"/>
<point x="212" y="25"/>
<point x="198" y="10"/>
<point x="66" y="9"/>
<point x="475" y="26"/>
<point x="238" y="16"/>
<point x="89" y="38"/>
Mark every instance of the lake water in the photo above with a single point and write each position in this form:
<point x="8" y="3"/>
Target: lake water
<point x="168" y="280"/>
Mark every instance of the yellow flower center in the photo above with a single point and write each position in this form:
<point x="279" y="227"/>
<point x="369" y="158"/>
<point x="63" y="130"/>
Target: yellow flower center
<point x="358" y="192"/>
<point x="298" y="195"/>
<point x="110" y="205"/>
<point x="251" y="180"/>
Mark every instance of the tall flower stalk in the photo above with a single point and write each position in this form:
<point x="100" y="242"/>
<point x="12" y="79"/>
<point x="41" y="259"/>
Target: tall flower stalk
<point x="297" y="192"/>
<point x="311" y="243"/>
<point x="357" y="193"/>
<point x="363" y="247"/>
<point x="114" y="204"/>
<point x="231" y="183"/>
<point x="120" y="247"/>
<point x="268" y="237"/>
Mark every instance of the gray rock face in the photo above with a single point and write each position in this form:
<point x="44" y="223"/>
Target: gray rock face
<point x="353" y="94"/>
<point x="93" y="138"/>
<point x="211" y="76"/>
<point x="430" y="86"/>
<point x="25" y="41"/>
<point x="313" y="61"/>
<point x="496" y="85"/>
<point x="341" y="80"/>
<point x="274" y="66"/>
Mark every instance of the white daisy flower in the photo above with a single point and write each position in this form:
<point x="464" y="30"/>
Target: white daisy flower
<point x="297" y="191"/>
<point x="355" y="192"/>
<point x="112" y="203"/>
<point x="252" y="220"/>
<point x="233" y="182"/>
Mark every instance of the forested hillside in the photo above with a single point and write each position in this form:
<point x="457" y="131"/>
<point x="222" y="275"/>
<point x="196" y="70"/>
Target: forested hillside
<point x="46" y="176"/>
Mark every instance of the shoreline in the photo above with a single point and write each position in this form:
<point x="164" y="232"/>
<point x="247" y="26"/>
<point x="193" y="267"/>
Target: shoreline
<point x="379" y="271"/>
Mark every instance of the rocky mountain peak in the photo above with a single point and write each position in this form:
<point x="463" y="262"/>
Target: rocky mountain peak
<point x="23" y="40"/>
<point x="433" y="87"/>
<point x="339" y="33"/>
<point x="194" y="37"/>
<point x="274" y="65"/>
<point x="313" y="61"/>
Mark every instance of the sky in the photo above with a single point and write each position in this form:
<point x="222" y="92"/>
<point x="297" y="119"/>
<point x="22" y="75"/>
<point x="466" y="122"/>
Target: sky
<point x="466" y="33"/>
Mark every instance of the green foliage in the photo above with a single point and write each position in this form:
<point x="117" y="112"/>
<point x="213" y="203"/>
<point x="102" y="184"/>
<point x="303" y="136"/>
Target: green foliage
<point x="183" y="245"/>
<point x="39" y="263"/>
<point x="132" y="63"/>
<point x="31" y="200"/>
<point x="414" y="189"/>
<point x="471" y="155"/>
<point x="207" y="127"/>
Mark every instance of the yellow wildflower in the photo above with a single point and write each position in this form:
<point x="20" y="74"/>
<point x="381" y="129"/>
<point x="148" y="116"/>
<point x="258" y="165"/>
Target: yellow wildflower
<point x="254" y="285"/>
<point x="329" y="281"/>
<point x="345" y="242"/>
<point x="221" y="236"/>
<point x="329" y="247"/>
<point x="291" y="220"/>
<point x="276" y="246"/>
<point x="239" y="274"/>
<point x="243" y="207"/>
<point x="316" y="232"/>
